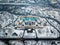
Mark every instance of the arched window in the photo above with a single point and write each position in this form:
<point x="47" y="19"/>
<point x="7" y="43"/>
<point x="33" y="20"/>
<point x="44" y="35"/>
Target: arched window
<point x="14" y="34"/>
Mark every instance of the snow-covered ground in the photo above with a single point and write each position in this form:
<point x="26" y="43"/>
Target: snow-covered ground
<point x="47" y="10"/>
<point x="32" y="42"/>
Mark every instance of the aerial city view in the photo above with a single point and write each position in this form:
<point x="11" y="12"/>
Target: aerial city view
<point x="29" y="22"/>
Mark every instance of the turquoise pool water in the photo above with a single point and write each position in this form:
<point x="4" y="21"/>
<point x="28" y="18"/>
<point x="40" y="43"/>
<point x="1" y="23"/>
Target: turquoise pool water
<point x="27" y="19"/>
